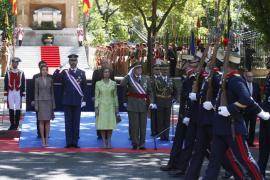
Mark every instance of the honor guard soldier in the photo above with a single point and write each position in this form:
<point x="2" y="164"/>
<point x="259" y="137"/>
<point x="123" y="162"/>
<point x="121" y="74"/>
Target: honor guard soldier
<point x="14" y="92"/>
<point x="174" y="165"/>
<point x="165" y="92"/>
<point x="204" y="127"/>
<point x="153" y="115"/>
<point x="74" y="87"/>
<point x="264" y="136"/>
<point x="137" y="93"/>
<point x="229" y="130"/>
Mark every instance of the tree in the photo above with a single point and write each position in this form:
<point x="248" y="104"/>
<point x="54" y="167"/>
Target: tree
<point x="106" y="11"/>
<point x="6" y="20"/>
<point x="153" y="13"/>
<point x="257" y="16"/>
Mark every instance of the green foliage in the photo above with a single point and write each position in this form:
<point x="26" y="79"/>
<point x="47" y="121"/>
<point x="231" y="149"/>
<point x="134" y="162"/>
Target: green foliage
<point x="256" y="15"/>
<point x="5" y="7"/>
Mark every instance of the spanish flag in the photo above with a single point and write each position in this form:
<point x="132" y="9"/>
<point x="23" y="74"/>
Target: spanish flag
<point x="14" y="7"/>
<point x="86" y="6"/>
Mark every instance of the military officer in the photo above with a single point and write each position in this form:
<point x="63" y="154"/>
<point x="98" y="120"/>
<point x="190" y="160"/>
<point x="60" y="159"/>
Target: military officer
<point x="74" y="87"/>
<point x="154" y="121"/>
<point x="137" y="93"/>
<point x="224" y="137"/>
<point x="14" y="88"/>
<point x="264" y="146"/>
<point x="165" y="94"/>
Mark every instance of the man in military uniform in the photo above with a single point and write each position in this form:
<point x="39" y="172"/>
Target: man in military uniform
<point x="154" y="121"/>
<point x="14" y="92"/>
<point x="74" y="87"/>
<point x="4" y="57"/>
<point x="165" y="93"/>
<point x="229" y="130"/>
<point x="137" y="93"/>
<point x="174" y="165"/>
<point x="264" y="136"/>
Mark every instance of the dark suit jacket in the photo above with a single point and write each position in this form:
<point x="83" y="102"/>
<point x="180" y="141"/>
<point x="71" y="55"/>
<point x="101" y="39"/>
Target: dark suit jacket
<point x="256" y="93"/>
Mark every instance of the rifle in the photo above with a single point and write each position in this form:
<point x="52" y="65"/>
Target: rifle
<point x="223" y="98"/>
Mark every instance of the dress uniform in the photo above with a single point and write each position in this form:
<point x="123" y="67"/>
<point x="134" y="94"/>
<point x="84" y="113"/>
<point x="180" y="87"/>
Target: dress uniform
<point x="137" y="93"/>
<point x="14" y="91"/>
<point x="174" y="163"/>
<point x="165" y="93"/>
<point x="74" y="87"/>
<point x="153" y="112"/>
<point x="238" y="99"/>
<point x="264" y="135"/>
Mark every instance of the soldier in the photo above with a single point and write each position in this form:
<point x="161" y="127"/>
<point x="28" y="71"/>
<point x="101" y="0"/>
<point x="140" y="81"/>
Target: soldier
<point x="172" y="58"/>
<point x="19" y="33"/>
<point x="174" y="165"/>
<point x="137" y="93"/>
<point x="4" y="57"/>
<point x="14" y="93"/>
<point x="264" y="136"/>
<point x="156" y="74"/>
<point x="165" y="95"/>
<point x="74" y="88"/>
<point x="224" y="137"/>
<point x="204" y="129"/>
<point x="80" y="34"/>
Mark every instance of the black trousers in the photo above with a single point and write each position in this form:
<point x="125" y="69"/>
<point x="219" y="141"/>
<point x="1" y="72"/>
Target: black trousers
<point x="172" y="68"/>
<point x="154" y="130"/>
<point x="250" y="120"/>
<point x="37" y="123"/>
<point x="20" y="42"/>
<point x="264" y="148"/>
<point x="163" y="118"/>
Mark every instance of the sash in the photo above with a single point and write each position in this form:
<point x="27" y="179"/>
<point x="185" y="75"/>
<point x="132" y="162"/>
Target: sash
<point x="74" y="83"/>
<point x="137" y="85"/>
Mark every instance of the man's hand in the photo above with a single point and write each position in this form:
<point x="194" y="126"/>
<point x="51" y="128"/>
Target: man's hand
<point x="223" y="111"/>
<point x="208" y="105"/>
<point x="152" y="106"/>
<point x="192" y="96"/>
<point x="83" y="104"/>
<point x="125" y="105"/>
<point x="264" y="115"/>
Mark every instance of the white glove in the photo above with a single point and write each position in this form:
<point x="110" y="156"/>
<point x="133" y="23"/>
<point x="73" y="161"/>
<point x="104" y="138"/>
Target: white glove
<point x="186" y="121"/>
<point x="192" y="96"/>
<point x="208" y="105"/>
<point x="83" y="104"/>
<point x="264" y="115"/>
<point x="5" y="98"/>
<point x="125" y="105"/>
<point x="155" y="106"/>
<point x="223" y="111"/>
<point x="152" y="106"/>
<point x="23" y="98"/>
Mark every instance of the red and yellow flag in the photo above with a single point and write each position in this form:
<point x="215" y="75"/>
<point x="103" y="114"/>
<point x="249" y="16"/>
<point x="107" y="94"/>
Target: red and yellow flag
<point x="86" y="6"/>
<point x="14" y="7"/>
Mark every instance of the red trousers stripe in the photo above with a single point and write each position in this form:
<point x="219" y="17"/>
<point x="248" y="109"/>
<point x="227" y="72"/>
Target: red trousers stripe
<point x="235" y="167"/>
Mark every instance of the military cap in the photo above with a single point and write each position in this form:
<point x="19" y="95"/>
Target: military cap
<point x="187" y="57"/>
<point x="16" y="59"/>
<point x="234" y="58"/>
<point x="220" y="55"/>
<point x="73" y="56"/>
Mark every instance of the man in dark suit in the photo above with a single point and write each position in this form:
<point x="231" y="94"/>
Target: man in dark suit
<point x="97" y="76"/>
<point x="74" y="87"/>
<point x="41" y="63"/>
<point x="172" y="58"/>
<point x="250" y="118"/>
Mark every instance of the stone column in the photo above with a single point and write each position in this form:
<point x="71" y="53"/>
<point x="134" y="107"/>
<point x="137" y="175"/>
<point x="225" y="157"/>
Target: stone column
<point x="72" y="14"/>
<point x="23" y="13"/>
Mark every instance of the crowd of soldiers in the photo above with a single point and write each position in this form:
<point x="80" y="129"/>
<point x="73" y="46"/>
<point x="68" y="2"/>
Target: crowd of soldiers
<point x="122" y="55"/>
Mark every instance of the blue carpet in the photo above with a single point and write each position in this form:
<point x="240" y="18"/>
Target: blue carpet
<point x="88" y="138"/>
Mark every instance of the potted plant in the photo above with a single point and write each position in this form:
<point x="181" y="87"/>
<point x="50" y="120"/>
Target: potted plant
<point x="47" y="39"/>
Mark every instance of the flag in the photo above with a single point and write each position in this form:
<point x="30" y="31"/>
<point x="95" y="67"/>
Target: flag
<point x="14" y="7"/>
<point x="6" y="23"/>
<point x="192" y="47"/>
<point x="86" y="6"/>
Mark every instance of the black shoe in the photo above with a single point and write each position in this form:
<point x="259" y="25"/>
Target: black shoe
<point x="142" y="148"/>
<point x="134" y="147"/>
<point x="68" y="146"/>
<point x="76" y="146"/>
<point x="176" y="173"/>
<point x="166" y="168"/>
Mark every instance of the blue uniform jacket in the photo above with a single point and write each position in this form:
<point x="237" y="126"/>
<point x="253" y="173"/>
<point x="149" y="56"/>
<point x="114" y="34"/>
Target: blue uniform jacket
<point x="237" y="91"/>
<point x="70" y="94"/>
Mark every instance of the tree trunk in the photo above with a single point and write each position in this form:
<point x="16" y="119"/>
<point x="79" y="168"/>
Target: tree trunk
<point x="150" y="51"/>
